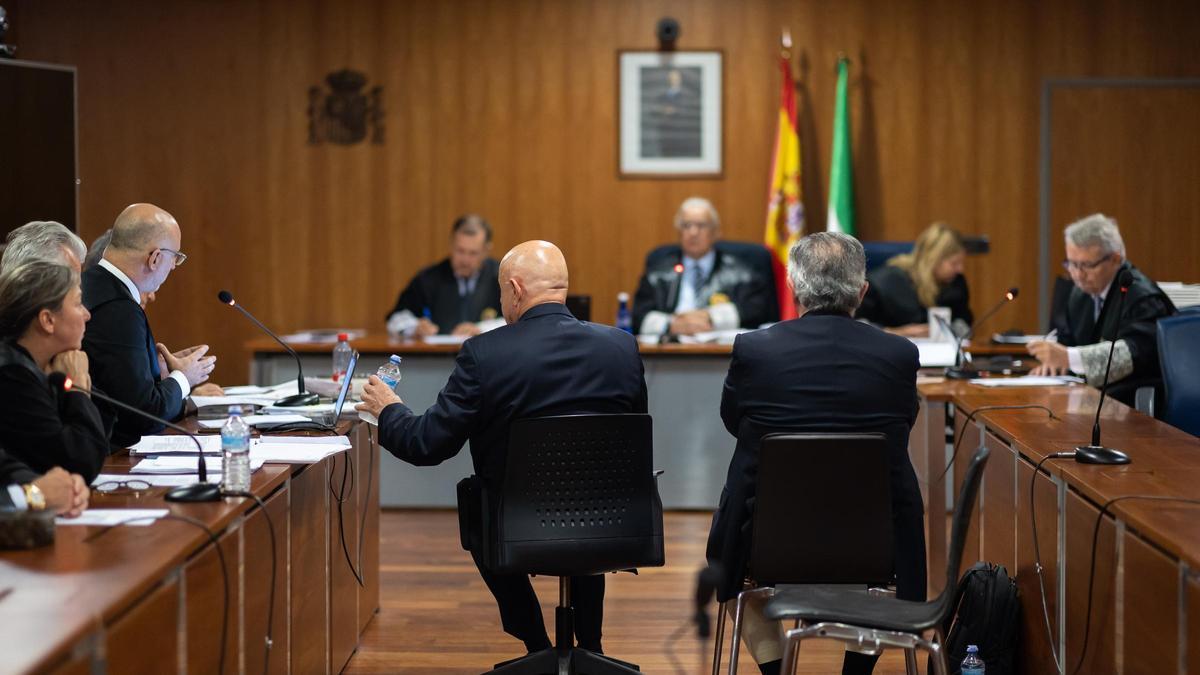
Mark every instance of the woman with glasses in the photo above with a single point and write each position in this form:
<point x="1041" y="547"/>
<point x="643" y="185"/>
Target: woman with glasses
<point x="901" y="292"/>
<point x="42" y="320"/>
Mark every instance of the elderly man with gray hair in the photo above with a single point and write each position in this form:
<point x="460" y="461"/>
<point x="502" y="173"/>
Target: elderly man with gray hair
<point x="43" y="240"/>
<point x="821" y="372"/>
<point x="1095" y="261"/>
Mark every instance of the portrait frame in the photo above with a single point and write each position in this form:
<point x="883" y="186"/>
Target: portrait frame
<point x="670" y="114"/>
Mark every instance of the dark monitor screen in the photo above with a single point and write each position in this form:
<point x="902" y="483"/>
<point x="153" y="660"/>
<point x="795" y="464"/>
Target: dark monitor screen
<point x="37" y="144"/>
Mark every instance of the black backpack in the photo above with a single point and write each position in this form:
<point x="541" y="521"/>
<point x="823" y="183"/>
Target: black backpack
<point x="987" y="613"/>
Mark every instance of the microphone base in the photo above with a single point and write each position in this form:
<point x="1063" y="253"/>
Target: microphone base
<point x="196" y="492"/>
<point x="297" y="400"/>
<point x="1098" y="454"/>
<point x="962" y="373"/>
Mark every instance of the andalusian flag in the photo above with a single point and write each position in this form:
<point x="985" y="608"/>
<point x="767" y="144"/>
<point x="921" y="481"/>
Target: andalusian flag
<point x="785" y="213"/>
<point x="841" y="174"/>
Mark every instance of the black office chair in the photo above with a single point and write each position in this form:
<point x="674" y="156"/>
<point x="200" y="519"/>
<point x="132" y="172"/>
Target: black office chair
<point x="579" y="498"/>
<point x="863" y="620"/>
<point x="822" y="514"/>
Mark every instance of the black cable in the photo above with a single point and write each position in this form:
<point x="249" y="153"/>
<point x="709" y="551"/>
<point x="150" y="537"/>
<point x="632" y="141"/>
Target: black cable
<point x="340" y="498"/>
<point x="1037" y="551"/>
<point x="268" y="642"/>
<point x="220" y="558"/>
<point x="963" y="432"/>
<point x="362" y="526"/>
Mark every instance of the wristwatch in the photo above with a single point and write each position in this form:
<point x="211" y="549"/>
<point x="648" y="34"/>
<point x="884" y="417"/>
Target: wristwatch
<point x="34" y="499"/>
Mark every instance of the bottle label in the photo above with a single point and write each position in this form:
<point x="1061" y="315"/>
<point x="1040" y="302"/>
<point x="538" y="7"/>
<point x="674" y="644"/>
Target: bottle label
<point x="972" y="671"/>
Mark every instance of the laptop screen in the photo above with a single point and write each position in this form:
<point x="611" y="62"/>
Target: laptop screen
<point x="342" y="393"/>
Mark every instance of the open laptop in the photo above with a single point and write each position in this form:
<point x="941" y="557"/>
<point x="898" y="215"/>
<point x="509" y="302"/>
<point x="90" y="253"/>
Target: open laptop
<point x="339" y="403"/>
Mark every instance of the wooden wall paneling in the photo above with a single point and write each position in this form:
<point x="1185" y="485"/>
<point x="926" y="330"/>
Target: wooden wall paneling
<point x="1102" y="635"/>
<point x="256" y="572"/>
<point x="203" y="601"/>
<point x="309" y="541"/>
<point x="1150" y="626"/>
<point x="1035" y="656"/>
<point x="508" y="108"/>
<point x="128" y="648"/>
<point x="343" y="542"/>
<point x="998" y="516"/>
<point x="368" y="464"/>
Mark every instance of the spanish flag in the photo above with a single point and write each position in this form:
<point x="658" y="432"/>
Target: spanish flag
<point x="785" y="212"/>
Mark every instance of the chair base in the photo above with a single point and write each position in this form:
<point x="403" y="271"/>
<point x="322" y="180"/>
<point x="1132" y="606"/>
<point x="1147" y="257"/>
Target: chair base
<point x="573" y="661"/>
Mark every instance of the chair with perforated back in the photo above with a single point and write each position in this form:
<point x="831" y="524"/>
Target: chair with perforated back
<point x="822" y="514"/>
<point x="872" y="622"/>
<point x="579" y="498"/>
<point x="1179" y="358"/>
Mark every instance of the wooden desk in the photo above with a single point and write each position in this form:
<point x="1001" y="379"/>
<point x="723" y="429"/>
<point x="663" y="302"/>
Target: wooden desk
<point x="1145" y="609"/>
<point x="148" y="599"/>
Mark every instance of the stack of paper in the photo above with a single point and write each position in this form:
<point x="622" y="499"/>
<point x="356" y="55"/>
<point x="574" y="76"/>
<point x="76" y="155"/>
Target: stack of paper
<point x="1027" y="381"/>
<point x="258" y="420"/>
<point x="180" y="464"/>
<point x="297" y="449"/>
<point x="176" y="444"/>
<point x="935" y="354"/>
<point x="107" y="517"/>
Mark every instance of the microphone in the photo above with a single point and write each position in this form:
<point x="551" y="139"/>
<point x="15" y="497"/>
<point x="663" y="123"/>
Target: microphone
<point x="706" y="587"/>
<point x="1096" y="453"/>
<point x="197" y="492"/>
<point x="295" y="400"/>
<point x="959" y="372"/>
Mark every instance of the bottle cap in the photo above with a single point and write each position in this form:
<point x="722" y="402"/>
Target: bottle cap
<point x="622" y="297"/>
<point x="343" y="337"/>
<point x="972" y="649"/>
<point x="395" y="358"/>
<point x="235" y="410"/>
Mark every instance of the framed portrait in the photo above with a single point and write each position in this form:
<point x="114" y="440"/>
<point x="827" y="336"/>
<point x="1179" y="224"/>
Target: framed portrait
<point x="670" y="113"/>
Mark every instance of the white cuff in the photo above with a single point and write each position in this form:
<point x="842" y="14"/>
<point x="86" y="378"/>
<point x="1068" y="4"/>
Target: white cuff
<point x="725" y="316"/>
<point x="184" y="387"/>
<point x="18" y="497"/>
<point x="491" y="324"/>
<point x="655" y="323"/>
<point x="403" y="323"/>
<point x="1075" y="360"/>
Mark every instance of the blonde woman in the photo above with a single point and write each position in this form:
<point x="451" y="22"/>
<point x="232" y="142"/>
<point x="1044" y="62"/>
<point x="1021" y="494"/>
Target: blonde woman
<point x="901" y="291"/>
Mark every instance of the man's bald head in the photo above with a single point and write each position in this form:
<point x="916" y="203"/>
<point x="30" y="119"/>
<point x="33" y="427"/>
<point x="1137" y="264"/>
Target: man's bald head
<point x="143" y="226"/>
<point x="532" y="273"/>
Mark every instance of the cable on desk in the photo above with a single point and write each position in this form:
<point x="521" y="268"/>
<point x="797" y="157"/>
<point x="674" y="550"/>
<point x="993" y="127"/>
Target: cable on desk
<point x="963" y="432"/>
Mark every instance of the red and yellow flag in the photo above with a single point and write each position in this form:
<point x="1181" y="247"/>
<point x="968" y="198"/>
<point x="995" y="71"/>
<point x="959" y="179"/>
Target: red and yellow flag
<point x="785" y="211"/>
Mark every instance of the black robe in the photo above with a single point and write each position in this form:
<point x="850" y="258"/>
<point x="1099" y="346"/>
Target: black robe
<point x="435" y="288"/>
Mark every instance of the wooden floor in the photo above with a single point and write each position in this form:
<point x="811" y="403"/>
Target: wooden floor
<point x="437" y="617"/>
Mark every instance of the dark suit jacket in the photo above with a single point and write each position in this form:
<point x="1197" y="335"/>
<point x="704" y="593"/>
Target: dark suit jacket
<point x="892" y="301"/>
<point x="12" y="472"/>
<point x="745" y="287"/>
<point x="45" y="428"/>
<point x="435" y="288"/>
<point x="1137" y="323"/>
<point x="547" y="363"/>
<point x="827" y="373"/>
<point x="123" y="358"/>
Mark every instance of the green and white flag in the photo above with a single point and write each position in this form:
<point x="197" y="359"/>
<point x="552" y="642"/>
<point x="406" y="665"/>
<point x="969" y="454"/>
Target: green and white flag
<point x="841" y="173"/>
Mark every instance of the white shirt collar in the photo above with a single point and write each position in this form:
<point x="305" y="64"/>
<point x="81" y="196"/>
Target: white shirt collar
<point x="705" y="262"/>
<point x="129" y="285"/>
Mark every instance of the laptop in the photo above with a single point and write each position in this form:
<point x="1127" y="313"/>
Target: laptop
<point x="325" y="422"/>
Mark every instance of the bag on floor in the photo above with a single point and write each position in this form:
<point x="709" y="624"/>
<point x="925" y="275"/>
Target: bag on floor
<point x="987" y="613"/>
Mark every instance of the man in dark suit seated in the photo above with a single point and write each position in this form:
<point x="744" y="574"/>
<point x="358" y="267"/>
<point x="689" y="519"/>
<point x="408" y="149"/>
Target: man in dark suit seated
<point x="1095" y="260"/>
<point x="544" y="362"/>
<point x="23" y="489"/>
<point x="126" y="362"/>
<point x="697" y="288"/>
<point x="822" y="372"/>
<point x="457" y="296"/>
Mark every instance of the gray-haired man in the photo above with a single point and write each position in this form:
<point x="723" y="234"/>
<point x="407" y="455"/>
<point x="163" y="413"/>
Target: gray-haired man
<point x="43" y="240"/>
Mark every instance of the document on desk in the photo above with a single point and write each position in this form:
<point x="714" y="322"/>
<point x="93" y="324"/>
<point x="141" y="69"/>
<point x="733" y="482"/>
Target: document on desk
<point x="256" y="420"/>
<point x="176" y="444"/>
<point x="297" y="449"/>
<point x="720" y="337"/>
<point x="245" y="399"/>
<point x="935" y="354"/>
<point x="179" y="464"/>
<point x="445" y="339"/>
<point x="245" y="390"/>
<point x="108" y="517"/>
<point x="1027" y="381"/>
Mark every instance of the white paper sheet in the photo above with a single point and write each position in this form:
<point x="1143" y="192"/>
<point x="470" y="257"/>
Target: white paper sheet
<point x="103" y="517"/>
<point x="180" y="464"/>
<point x="254" y="420"/>
<point x="935" y="354"/>
<point x="1026" y="381"/>
<point x="176" y="444"/>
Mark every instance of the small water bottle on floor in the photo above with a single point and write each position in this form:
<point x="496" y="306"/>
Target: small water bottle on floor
<point x="235" y="452"/>
<point x="973" y="665"/>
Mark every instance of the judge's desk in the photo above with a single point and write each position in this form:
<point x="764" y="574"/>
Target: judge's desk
<point x="1145" y="591"/>
<point x="149" y="599"/>
<point x="684" y="385"/>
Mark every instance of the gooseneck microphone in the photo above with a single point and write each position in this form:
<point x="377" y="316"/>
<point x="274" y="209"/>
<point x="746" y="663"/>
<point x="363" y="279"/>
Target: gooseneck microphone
<point x="959" y="371"/>
<point x="1096" y="453"/>
<point x="202" y="491"/>
<point x="295" y="400"/>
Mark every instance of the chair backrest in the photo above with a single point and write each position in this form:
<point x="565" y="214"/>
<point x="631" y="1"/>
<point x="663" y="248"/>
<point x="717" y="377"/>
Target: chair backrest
<point x="879" y="252"/>
<point x="580" y="306"/>
<point x="1179" y="358"/>
<point x="753" y="255"/>
<point x="579" y="497"/>
<point x="963" y="509"/>
<point x="822" y="510"/>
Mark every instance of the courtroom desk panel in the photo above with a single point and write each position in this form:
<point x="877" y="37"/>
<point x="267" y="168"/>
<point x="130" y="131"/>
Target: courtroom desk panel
<point x="972" y="439"/>
<point x="368" y="560"/>
<point x="256" y="574"/>
<point x="343" y="544"/>
<point x="203" y="602"/>
<point x="1035" y="655"/>
<point x="927" y="447"/>
<point x="309" y="541"/>
<point x="144" y="639"/>
<point x="1192" y="597"/>
<point x="1150" y="619"/>
<point x="998" y="515"/>
<point x="1102" y="636"/>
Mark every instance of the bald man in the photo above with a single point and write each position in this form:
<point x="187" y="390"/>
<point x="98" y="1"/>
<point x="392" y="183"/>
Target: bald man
<point x="544" y="362"/>
<point x="126" y="362"/>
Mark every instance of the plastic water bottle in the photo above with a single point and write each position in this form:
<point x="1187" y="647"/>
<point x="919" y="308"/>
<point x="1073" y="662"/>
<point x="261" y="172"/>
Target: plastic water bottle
<point x="973" y="665"/>
<point x="390" y="372"/>
<point x="235" y="452"/>
<point x="624" y="318"/>
<point x="341" y="356"/>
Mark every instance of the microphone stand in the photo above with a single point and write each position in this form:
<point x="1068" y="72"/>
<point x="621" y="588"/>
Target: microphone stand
<point x="203" y="491"/>
<point x="958" y="372"/>
<point x="1096" y="453"/>
<point x="301" y="398"/>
